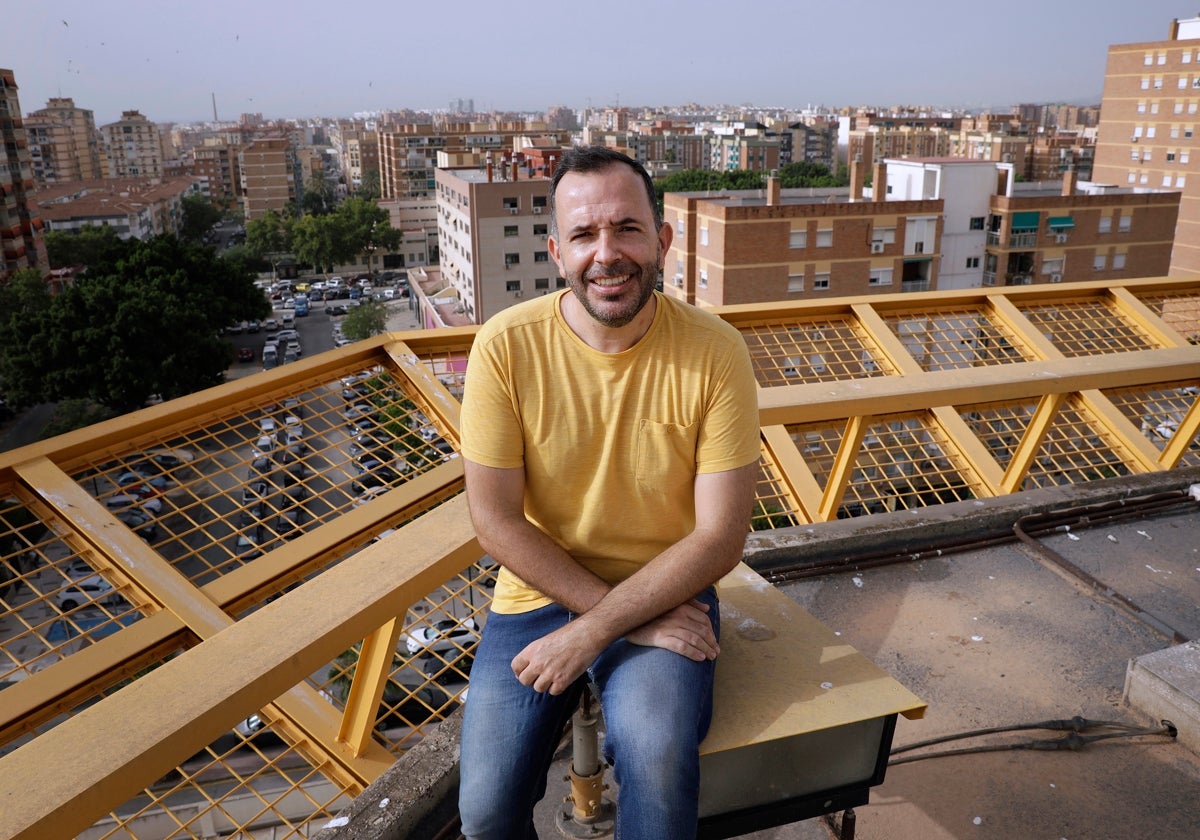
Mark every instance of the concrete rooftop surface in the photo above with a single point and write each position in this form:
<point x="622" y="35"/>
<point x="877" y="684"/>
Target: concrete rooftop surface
<point x="993" y="632"/>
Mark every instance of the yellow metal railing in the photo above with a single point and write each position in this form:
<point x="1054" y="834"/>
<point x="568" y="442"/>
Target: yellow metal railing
<point x="232" y="611"/>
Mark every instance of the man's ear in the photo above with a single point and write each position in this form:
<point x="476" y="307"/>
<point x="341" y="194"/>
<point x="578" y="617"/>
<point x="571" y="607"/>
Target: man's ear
<point x="666" y="235"/>
<point x="552" y="247"/>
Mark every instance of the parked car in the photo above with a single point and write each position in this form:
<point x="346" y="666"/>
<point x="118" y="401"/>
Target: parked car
<point x="93" y="591"/>
<point x="263" y="446"/>
<point x="245" y="354"/>
<point x="412" y="705"/>
<point x="137" y="483"/>
<point x="246" y="546"/>
<point x="128" y="501"/>
<point x="442" y="636"/>
<point x="335" y="309"/>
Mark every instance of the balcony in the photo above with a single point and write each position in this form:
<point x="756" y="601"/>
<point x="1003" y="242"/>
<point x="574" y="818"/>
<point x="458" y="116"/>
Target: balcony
<point x="250" y="671"/>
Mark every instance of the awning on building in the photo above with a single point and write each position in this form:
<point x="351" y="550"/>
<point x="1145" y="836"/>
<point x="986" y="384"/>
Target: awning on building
<point x="1060" y="222"/>
<point x="1026" y="221"/>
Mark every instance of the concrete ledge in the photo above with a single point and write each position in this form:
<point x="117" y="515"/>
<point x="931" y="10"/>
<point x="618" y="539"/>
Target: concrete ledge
<point x="918" y="529"/>
<point x="1165" y="685"/>
<point x="413" y="798"/>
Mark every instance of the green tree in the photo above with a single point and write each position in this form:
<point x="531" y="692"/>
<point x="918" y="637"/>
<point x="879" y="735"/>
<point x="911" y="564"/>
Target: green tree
<point x="319" y="241"/>
<point x="807" y="174"/>
<point x="364" y="321"/>
<point x="268" y="234"/>
<point x="366" y="228"/>
<point x="199" y="217"/>
<point x="318" y="194"/>
<point x="91" y="244"/>
<point x="370" y="188"/>
<point x="146" y="322"/>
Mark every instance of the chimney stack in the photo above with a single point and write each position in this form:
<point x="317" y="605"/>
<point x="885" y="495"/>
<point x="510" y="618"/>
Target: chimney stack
<point x="773" y="190"/>
<point x="858" y="176"/>
<point x="1069" y="179"/>
<point x="879" y="182"/>
<point x="489" y="167"/>
<point x="516" y="169"/>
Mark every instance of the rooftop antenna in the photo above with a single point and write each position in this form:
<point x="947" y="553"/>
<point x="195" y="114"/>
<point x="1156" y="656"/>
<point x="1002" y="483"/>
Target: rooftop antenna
<point x="214" y="100"/>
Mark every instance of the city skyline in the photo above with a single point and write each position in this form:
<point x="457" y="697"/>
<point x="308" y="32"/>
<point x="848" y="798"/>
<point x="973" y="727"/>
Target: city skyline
<point x="304" y="60"/>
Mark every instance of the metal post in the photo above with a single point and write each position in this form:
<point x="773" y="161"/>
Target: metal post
<point x="586" y="813"/>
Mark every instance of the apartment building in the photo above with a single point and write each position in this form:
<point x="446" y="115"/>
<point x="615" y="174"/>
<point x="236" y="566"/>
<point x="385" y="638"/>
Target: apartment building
<point x="64" y="143"/>
<point x="934" y="223"/>
<point x="749" y="246"/>
<point x="408" y="152"/>
<point x="21" y="242"/>
<point x="268" y="171"/>
<point x="135" y="208"/>
<point x="746" y="148"/>
<point x="1074" y="230"/>
<point x="218" y="163"/>
<point x="1147" y="133"/>
<point x="1051" y="154"/>
<point x="133" y="147"/>
<point x="493" y="227"/>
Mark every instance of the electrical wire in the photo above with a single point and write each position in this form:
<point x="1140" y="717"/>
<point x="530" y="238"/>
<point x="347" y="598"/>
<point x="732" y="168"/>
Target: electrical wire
<point x="1073" y="740"/>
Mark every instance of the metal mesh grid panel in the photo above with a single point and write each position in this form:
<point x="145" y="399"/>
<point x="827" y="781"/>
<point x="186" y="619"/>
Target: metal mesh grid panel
<point x="212" y="500"/>
<point x="1074" y="450"/>
<point x="1180" y="311"/>
<point x="774" y="506"/>
<point x="956" y="338"/>
<point x="819" y="350"/>
<point x="1086" y="327"/>
<point x="53" y="601"/>
<point x="1157" y="412"/>
<point x="905" y="462"/>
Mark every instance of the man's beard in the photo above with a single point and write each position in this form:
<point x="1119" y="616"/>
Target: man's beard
<point x="620" y="312"/>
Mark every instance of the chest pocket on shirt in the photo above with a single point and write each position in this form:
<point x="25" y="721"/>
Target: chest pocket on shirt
<point x="666" y="457"/>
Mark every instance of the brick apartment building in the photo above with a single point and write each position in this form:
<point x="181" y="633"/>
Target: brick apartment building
<point x="1148" y="119"/>
<point x="63" y="142"/>
<point x="940" y="223"/>
<point x="268" y="172"/>
<point x="133" y="147"/>
<point x="21" y="242"/>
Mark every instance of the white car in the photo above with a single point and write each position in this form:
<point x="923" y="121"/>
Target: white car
<point x="264" y="446"/>
<point x="442" y="636"/>
<point x="93" y="591"/>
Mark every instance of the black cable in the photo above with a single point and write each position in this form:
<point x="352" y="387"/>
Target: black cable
<point x="1071" y="741"/>
<point x="1075" y="724"/>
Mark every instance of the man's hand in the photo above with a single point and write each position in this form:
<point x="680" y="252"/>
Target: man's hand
<point x="685" y="630"/>
<point x="554" y="662"/>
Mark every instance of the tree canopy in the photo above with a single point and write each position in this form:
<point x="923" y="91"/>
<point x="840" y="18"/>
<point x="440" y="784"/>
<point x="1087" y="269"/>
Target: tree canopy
<point x="146" y="319"/>
<point x="199" y="217"/>
<point x="365" y="320"/>
<point x="91" y="244"/>
<point x="800" y="174"/>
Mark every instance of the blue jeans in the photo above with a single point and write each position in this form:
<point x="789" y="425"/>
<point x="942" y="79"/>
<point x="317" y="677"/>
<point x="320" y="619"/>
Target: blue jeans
<point x="657" y="707"/>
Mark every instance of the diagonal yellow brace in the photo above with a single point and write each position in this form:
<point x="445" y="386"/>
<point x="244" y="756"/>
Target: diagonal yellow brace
<point x="1184" y="435"/>
<point x="843" y="467"/>
<point x="366" y="690"/>
<point x="1031" y="441"/>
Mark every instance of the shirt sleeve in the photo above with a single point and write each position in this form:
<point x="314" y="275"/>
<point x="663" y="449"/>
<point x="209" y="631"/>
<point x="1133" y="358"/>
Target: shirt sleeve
<point x="492" y="433"/>
<point x="730" y="436"/>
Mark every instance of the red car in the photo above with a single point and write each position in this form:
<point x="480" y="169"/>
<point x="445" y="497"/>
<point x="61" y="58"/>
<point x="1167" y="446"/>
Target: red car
<point x="245" y="354"/>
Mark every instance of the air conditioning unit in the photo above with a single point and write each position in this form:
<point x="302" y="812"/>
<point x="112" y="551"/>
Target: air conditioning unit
<point x="1055" y="278"/>
<point x="1133" y="139"/>
<point x="517" y="293"/>
<point x="876" y="247"/>
<point x="1060" y="238"/>
<point x="678" y="279"/>
<point x="537" y="211"/>
<point x="512" y="211"/>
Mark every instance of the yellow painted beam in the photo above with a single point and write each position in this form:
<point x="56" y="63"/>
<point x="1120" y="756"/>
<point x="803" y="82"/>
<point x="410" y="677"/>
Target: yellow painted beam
<point x="1118" y="426"/>
<point x="830" y="401"/>
<point x="801" y="482"/>
<point x="1031" y="442"/>
<point x="1132" y="308"/>
<point x="194" y="696"/>
<point x="1184" y="435"/>
<point x="843" y="467"/>
<point x="375" y="661"/>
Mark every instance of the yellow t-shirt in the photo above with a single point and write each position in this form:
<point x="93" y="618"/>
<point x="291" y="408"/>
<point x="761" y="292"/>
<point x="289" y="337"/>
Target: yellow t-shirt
<point x="610" y="442"/>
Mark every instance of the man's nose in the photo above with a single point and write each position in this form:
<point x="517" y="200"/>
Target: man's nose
<point x="606" y="248"/>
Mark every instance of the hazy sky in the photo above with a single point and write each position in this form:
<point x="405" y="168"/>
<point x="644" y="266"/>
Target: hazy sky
<point x="297" y="58"/>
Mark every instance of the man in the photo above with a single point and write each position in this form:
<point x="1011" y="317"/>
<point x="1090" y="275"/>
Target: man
<point x="610" y="439"/>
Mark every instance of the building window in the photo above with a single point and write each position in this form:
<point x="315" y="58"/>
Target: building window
<point x="703" y="236"/>
<point x="1158" y="82"/>
<point x="1137" y="131"/>
<point x="1145" y="82"/>
<point x="704" y="278"/>
<point x="1132" y="177"/>
<point x="1134" y="154"/>
<point x="1162" y="58"/>
<point x="1141" y="107"/>
<point x="825" y="238"/>
<point x="1153" y="107"/>
<point x="1187" y="132"/>
<point x="1125" y="224"/>
<point x="977" y="222"/>
<point x="540" y="230"/>
<point x="560" y="283"/>
<point x="1180" y="181"/>
<point x="1178" y="110"/>
<point x="512" y="259"/>
<point x="1150" y="131"/>
<point x="795" y="283"/>
<point x="539" y="201"/>
<point x="1186" y="58"/>
<point x="511" y="204"/>
<point x="821" y="282"/>
<point x="1183" y="82"/>
<point x="886" y="235"/>
<point x="542" y="283"/>
<point x="798" y="239"/>
<point x="512" y="286"/>
<point x="1106" y="223"/>
<point x="1054" y="266"/>
<point x="1183" y="156"/>
<point x="1149" y="59"/>
<point x="1170" y="157"/>
<point x="1099" y="262"/>
<point x="541" y="256"/>
<point x="680" y="227"/>
<point x="1146" y="154"/>
<point x="972" y="262"/>
<point x="510" y="230"/>
<point x="1118" y="261"/>
<point x="880" y="277"/>
<point x="1166" y="181"/>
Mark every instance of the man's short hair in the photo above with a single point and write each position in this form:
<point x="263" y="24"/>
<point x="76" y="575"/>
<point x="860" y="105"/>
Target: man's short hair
<point x="587" y="159"/>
